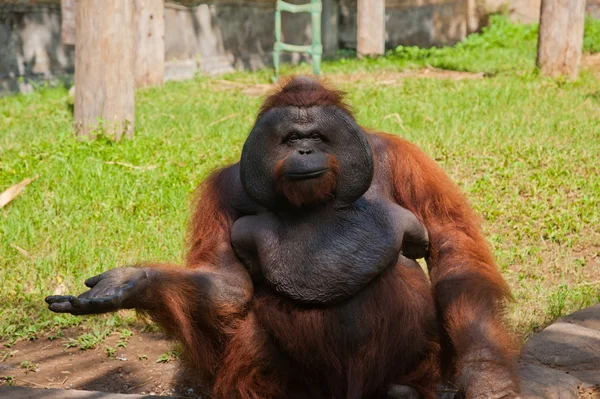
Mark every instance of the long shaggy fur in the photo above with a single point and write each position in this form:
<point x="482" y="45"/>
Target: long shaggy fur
<point x="303" y="93"/>
<point x="227" y="341"/>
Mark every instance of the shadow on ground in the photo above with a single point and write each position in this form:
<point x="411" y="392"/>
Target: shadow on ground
<point x="563" y="361"/>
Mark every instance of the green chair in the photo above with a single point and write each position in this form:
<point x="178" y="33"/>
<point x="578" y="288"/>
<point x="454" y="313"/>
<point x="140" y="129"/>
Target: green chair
<point x="315" y="49"/>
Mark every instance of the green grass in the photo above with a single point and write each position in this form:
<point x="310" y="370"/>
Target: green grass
<point x="501" y="47"/>
<point x="524" y="148"/>
<point x="591" y="40"/>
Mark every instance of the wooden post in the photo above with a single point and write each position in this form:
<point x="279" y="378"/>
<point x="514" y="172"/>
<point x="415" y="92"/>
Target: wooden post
<point x="329" y="27"/>
<point x="561" y="37"/>
<point x="371" y="27"/>
<point x="104" y="61"/>
<point x="67" y="21"/>
<point x="472" y="16"/>
<point x="149" y="25"/>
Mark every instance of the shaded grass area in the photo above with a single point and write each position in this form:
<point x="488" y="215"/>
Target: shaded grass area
<point x="524" y="149"/>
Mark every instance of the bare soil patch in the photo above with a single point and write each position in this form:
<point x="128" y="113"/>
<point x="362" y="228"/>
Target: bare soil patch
<point x="46" y="363"/>
<point x="592" y="61"/>
<point x="383" y="78"/>
<point x="394" y="78"/>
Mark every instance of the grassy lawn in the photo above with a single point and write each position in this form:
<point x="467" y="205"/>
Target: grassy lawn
<point x="525" y="149"/>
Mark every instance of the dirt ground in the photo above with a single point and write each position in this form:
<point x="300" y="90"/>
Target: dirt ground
<point x="383" y="78"/>
<point x="589" y="61"/>
<point x="592" y="61"/>
<point x="46" y="363"/>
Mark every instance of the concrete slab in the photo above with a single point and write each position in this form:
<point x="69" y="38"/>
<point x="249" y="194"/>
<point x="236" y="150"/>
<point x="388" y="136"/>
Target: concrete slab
<point x="541" y="382"/>
<point x="563" y="361"/>
<point x="565" y="346"/>
<point x="588" y="317"/>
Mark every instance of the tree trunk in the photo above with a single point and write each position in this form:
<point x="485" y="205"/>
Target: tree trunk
<point x="104" y="61"/>
<point x="329" y="27"/>
<point x="474" y="13"/>
<point x="561" y="37"/>
<point x="149" y="25"/>
<point x="67" y="19"/>
<point x="371" y="27"/>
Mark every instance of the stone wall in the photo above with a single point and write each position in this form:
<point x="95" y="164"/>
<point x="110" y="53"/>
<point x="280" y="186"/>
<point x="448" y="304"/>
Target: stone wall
<point x="30" y="45"/>
<point x="422" y="23"/>
<point x="528" y="11"/>
<point x="593" y="8"/>
<point x="214" y="36"/>
<point x="222" y="36"/>
<point x="200" y="36"/>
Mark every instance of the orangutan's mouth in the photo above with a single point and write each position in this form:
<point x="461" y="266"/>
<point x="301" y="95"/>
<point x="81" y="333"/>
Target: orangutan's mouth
<point x="306" y="175"/>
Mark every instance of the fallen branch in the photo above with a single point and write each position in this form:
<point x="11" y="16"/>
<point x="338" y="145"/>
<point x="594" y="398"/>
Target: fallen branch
<point x="21" y="251"/>
<point x="33" y="383"/>
<point x="7" y="354"/>
<point x="230" y="83"/>
<point x="13" y="191"/>
<point x="398" y="119"/>
<point x="597" y="282"/>
<point x="128" y="165"/>
<point x="224" y="119"/>
<point x="140" y="385"/>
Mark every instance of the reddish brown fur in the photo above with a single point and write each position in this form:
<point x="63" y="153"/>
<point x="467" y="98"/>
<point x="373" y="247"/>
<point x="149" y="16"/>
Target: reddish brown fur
<point x="227" y="340"/>
<point x="177" y="316"/>
<point x="196" y="321"/>
<point x="303" y="93"/>
<point x="247" y="371"/>
<point x="309" y="191"/>
<point x="469" y="290"/>
<point x="210" y="224"/>
<point x="349" y="367"/>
